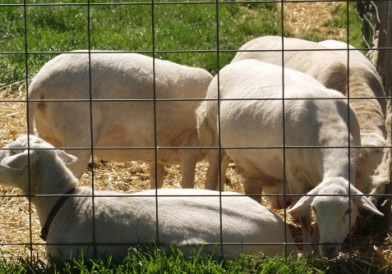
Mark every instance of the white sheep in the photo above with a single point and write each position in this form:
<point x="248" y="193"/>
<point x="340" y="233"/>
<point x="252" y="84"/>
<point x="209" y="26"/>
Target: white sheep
<point x="331" y="70"/>
<point x="342" y="48"/>
<point x="251" y="118"/>
<point x="187" y="218"/>
<point x="126" y="126"/>
<point x="382" y="173"/>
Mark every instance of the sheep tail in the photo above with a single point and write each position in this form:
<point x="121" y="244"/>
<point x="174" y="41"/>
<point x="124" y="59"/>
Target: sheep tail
<point x="33" y="94"/>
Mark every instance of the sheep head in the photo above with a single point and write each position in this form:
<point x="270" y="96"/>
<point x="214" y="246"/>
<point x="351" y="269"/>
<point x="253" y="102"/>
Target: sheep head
<point x="16" y="157"/>
<point x="369" y="159"/>
<point x="336" y="210"/>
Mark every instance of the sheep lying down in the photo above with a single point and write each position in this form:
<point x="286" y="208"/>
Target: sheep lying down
<point x="187" y="218"/>
<point x="319" y="127"/>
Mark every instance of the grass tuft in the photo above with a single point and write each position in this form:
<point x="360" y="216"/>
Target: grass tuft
<point x="140" y="260"/>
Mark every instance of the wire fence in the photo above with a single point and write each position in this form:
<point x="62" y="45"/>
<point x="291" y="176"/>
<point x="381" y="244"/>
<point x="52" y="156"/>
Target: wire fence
<point x="376" y="16"/>
<point x="376" y="22"/>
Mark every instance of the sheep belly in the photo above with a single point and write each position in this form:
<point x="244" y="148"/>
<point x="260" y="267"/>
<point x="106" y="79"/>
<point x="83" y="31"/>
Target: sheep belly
<point x="246" y="164"/>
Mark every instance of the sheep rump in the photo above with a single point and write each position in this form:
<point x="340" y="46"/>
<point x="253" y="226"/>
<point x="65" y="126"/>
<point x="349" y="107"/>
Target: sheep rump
<point x="126" y="121"/>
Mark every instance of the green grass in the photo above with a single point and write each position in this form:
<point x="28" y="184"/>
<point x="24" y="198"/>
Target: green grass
<point x="339" y="20"/>
<point x="159" y="261"/>
<point x="177" y="27"/>
<point x="129" y="27"/>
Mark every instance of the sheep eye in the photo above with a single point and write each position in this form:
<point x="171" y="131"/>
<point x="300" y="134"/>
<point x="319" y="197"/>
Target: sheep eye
<point x="348" y="211"/>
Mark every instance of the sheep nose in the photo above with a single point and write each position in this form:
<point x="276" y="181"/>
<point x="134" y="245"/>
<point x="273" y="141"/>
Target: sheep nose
<point x="329" y="250"/>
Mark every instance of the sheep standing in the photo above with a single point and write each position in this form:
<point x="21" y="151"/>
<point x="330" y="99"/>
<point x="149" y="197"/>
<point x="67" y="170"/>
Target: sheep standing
<point x="380" y="175"/>
<point x="355" y="55"/>
<point x="251" y="134"/>
<point x="126" y="120"/>
<point x="187" y="218"/>
<point x="331" y="70"/>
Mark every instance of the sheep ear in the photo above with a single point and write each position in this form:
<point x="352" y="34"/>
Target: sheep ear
<point x="68" y="159"/>
<point x="301" y="204"/>
<point x="364" y="202"/>
<point x="305" y="201"/>
<point x="18" y="161"/>
<point x="363" y="154"/>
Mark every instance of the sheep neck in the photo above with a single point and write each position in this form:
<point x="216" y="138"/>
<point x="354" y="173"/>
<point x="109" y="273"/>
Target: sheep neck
<point x="58" y="182"/>
<point x="370" y="112"/>
<point x="336" y="164"/>
<point x="53" y="213"/>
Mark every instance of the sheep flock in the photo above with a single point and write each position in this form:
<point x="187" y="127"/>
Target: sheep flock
<point x="335" y="153"/>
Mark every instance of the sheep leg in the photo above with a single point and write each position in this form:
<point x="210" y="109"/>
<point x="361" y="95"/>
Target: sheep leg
<point x="304" y="218"/>
<point x="281" y="200"/>
<point x="156" y="179"/>
<point x="188" y="161"/>
<point x="80" y="166"/>
<point x="224" y="166"/>
<point x="315" y="240"/>
<point x="83" y="155"/>
<point x="252" y="187"/>
<point x="213" y="169"/>
<point x="316" y="235"/>
<point x="212" y="172"/>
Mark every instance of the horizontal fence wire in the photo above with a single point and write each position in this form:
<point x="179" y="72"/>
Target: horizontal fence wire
<point x="195" y="147"/>
<point x="190" y="195"/>
<point x="167" y="245"/>
<point x="187" y="100"/>
<point x="95" y="51"/>
<point x="358" y="243"/>
<point x="154" y="52"/>
<point x="201" y="2"/>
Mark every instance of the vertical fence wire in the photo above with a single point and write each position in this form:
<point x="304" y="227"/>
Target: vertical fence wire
<point x="26" y="54"/>
<point x="348" y="124"/>
<point x="90" y="93"/>
<point x="284" y="130"/>
<point x="155" y="120"/>
<point x="385" y="69"/>
<point x="220" y="178"/>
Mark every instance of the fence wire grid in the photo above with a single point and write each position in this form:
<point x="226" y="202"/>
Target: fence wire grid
<point x="156" y="52"/>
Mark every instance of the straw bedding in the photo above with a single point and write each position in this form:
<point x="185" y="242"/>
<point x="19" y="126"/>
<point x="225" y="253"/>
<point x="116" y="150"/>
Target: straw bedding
<point x="314" y="18"/>
<point x="132" y="176"/>
<point x="126" y="177"/>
